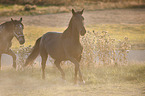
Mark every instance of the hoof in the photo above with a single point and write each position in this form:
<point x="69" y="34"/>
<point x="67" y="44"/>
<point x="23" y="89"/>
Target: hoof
<point x="82" y="82"/>
<point x="63" y="81"/>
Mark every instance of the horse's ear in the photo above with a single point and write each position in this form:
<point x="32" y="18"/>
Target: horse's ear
<point x="21" y="19"/>
<point x="12" y="19"/>
<point x="73" y="11"/>
<point x="82" y="11"/>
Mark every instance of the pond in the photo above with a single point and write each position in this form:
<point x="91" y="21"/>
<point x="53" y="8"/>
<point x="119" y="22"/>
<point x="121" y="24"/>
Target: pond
<point x="136" y="55"/>
<point x="133" y="56"/>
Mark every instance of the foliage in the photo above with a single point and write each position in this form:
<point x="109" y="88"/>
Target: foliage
<point x="20" y="7"/>
<point x="22" y="54"/>
<point x="61" y="2"/>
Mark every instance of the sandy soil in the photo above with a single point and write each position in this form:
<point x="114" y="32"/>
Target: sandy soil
<point x="29" y="83"/>
<point x="114" y="16"/>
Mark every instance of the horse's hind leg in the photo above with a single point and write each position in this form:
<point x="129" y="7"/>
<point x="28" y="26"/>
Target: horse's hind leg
<point x="0" y="61"/>
<point x="79" y="58"/>
<point x="11" y="53"/>
<point x="43" y="63"/>
<point x="57" y="63"/>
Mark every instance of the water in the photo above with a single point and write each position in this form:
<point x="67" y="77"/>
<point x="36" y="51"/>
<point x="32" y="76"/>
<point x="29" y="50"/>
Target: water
<point x="133" y="55"/>
<point x="136" y="55"/>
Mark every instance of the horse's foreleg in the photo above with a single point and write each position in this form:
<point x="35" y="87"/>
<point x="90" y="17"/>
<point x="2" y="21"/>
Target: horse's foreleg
<point x="77" y="69"/>
<point x="57" y="63"/>
<point x="79" y="58"/>
<point x="11" y="53"/>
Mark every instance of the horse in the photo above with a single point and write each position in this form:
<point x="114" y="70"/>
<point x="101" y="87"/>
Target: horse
<point x="61" y="46"/>
<point x="8" y="30"/>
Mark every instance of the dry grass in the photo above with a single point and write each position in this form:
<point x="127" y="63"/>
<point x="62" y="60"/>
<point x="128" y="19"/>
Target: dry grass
<point x="103" y="81"/>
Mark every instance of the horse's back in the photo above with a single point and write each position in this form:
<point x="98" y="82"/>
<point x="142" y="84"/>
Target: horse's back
<point x="51" y="37"/>
<point x="5" y="42"/>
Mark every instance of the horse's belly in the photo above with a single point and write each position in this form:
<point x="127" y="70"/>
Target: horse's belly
<point x="55" y="50"/>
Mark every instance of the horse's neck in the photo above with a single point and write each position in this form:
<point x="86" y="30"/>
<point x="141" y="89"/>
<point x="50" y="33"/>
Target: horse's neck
<point x="72" y="33"/>
<point x="5" y="35"/>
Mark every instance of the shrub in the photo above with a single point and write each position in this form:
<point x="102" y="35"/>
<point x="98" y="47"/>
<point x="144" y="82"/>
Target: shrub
<point x="22" y="54"/>
<point x="100" y="48"/>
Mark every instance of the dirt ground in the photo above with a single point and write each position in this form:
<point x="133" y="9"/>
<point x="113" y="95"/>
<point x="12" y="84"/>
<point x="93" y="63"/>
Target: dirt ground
<point x="112" y="16"/>
<point x="29" y="83"/>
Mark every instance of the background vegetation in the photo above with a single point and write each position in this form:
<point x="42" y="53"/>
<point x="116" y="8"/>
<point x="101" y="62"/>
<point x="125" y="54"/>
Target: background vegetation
<point x="64" y="2"/>
<point x="35" y="7"/>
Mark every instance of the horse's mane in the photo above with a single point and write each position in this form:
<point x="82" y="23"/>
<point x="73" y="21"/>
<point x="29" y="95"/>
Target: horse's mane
<point x="6" y="23"/>
<point x="11" y="22"/>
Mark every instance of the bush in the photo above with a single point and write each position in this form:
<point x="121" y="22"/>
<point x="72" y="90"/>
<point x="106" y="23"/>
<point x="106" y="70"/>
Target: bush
<point x="29" y="7"/>
<point x="100" y="48"/>
<point x="22" y="54"/>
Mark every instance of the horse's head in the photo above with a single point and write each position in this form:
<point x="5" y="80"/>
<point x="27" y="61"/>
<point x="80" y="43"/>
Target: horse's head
<point x="78" y="20"/>
<point x="18" y="30"/>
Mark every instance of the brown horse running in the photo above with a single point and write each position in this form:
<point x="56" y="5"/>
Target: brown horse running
<point x="61" y="46"/>
<point x="7" y="31"/>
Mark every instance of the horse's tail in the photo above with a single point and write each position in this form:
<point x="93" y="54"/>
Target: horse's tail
<point x="34" y="53"/>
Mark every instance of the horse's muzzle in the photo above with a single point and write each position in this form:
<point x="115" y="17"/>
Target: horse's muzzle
<point x="83" y="32"/>
<point x="21" y="40"/>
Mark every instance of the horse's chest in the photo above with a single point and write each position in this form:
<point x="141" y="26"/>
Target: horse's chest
<point x="74" y="49"/>
<point x="77" y="50"/>
<point x="4" y="44"/>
